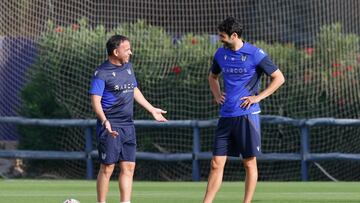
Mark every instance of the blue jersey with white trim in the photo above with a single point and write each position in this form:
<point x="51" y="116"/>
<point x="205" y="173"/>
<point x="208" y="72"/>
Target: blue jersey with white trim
<point x="241" y="71"/>
<point x="115" y="84"/>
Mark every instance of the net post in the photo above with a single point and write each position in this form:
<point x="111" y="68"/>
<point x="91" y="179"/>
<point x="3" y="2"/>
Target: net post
<point x="304" y="144"/>
<point x="196" y="151"/>
<point x="88" y="149"/>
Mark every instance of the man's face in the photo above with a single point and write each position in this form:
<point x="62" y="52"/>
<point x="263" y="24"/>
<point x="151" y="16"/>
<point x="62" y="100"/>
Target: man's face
<point x="123" y="52"/>
<point x="227" y="40"/>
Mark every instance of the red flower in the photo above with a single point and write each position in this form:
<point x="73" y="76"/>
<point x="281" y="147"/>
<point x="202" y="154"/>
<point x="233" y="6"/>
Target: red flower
<point x="75" y="26"/>
<point x="336" y="73"/>
<point x="307" y="78"/>
<point x="309" y="51"/>
<point x="193" y="41"/>
<point x="58" y="29"/>
<point x="336" y="65"/>
<point x="341" y="102"/>
<point x="349" y="68"/>
<point x="176" y="70"/>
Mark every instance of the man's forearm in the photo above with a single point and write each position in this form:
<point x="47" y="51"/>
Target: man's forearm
<point x="97" y="108"/>
<point x="139" y="98"/>
<point x="277" y="80"/>
<point x="214" y="86"/>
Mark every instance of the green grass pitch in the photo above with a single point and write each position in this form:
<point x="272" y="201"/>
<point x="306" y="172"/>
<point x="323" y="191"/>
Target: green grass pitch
<point x="56" y="191"/>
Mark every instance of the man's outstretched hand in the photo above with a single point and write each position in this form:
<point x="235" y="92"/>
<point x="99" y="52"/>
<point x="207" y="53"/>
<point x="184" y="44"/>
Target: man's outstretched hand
<point x="158" y="114"/>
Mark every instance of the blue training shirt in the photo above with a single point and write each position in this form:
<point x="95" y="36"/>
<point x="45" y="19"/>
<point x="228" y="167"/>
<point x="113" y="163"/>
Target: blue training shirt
<point x="115" y="84"/>
<point x="241" y="71"/>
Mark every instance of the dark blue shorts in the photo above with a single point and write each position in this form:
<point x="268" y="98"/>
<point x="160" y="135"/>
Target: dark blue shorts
<point x="238" y="135"/>
<point x="120" y="148"/>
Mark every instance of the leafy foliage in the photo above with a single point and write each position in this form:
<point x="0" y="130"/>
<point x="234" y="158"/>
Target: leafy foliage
<point x="322" y="81"/>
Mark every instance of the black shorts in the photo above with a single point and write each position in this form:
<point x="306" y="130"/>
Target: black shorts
<point x="238" y="135"/>
<point x="120" y="148"/>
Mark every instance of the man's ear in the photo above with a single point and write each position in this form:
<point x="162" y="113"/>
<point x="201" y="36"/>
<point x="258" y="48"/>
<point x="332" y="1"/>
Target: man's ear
<point x="234" y="35"/>
<point x="115" y="52"/>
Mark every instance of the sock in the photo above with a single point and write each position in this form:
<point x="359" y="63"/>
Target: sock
<point x="126" y="202"/>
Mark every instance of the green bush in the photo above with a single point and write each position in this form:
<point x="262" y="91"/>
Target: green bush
<point x="336" y="61"/>
<point x="39" y="102"/>
<point x="321" y="81"/>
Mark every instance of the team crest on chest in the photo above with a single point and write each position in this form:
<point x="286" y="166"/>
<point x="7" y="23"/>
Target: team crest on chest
<point x="114" y="74"/>
<point x="243" y="58"/>
<point x="129" y="71"/>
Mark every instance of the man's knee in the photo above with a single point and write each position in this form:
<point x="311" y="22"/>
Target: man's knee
<point x="107" y="169"/>
<point x="250" y="163"/>
<point x="127" y="168"/>
<point x="217" y="164"/>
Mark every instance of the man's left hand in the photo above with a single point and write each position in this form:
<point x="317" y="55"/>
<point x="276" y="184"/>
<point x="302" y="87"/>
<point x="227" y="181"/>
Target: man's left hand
<point x="248" y="101"/>
<point x="157" y="114"/>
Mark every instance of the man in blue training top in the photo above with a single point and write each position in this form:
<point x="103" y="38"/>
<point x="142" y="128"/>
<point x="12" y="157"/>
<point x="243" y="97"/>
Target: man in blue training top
<point x="113" y="90"/>
<point x="238" y="130"/>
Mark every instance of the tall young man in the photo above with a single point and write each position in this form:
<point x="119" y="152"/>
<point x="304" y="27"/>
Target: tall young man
<point x="238" y="130"/>
<point x="113" y="90"/>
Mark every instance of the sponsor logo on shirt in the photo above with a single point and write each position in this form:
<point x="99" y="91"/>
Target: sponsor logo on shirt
<point x="234" y="70"/>
<point x="129" y="87"/>
<point x="243" y="58"/>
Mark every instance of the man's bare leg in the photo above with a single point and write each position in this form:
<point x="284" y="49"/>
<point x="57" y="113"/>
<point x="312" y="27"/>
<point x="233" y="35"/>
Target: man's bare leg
<point x="102" y="183"/>
<point x="215" y="178"/>
<point x="251" y="170"/>
<point x="126" y="180"/>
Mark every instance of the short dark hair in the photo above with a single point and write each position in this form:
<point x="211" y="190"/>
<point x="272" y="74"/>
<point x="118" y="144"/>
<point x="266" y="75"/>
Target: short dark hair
<point x="114" y="42"/>
<point x="231" y="25"/>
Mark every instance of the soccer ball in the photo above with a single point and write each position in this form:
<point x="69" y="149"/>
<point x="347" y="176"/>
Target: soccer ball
<point x="71" y="201"/>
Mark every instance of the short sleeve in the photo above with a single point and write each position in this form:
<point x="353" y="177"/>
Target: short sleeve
<point x="215" y="68"/>
<point x="97" y="85"/>
<point x="259" y="56"/>
<point x="267" y="66"/>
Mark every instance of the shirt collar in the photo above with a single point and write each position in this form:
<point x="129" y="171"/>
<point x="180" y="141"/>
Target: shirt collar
<point x="245" y="48"/>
